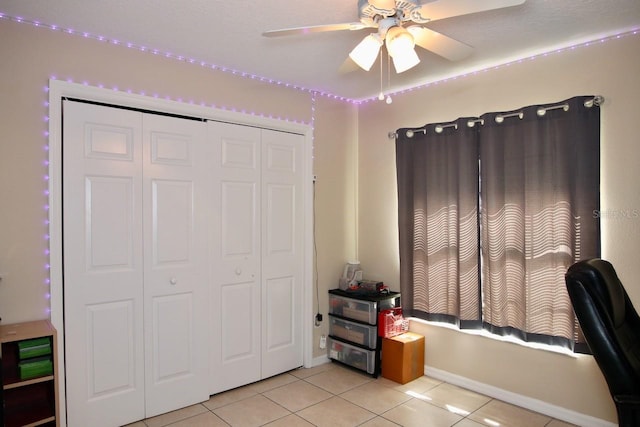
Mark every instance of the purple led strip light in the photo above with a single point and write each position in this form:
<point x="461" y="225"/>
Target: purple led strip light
<point x="507" y="64"/>
<point x="176" y="57"/>
<point x="294" y="86"/>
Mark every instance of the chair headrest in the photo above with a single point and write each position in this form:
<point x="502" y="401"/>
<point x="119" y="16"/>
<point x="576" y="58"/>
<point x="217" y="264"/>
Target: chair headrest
<point x="600" y="280"/>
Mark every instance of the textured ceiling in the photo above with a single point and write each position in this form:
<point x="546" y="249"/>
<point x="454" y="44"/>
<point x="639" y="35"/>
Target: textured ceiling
<point x="229" y="34"/>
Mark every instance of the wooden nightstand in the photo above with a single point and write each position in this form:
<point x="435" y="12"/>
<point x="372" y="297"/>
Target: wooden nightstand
<point x="27" y="398"/>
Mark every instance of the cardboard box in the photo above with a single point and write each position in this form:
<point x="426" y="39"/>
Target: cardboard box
<point x="403" y="357"/>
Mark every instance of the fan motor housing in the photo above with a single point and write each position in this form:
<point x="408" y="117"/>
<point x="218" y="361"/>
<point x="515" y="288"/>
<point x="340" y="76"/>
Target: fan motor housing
<point x="405" y="10"/>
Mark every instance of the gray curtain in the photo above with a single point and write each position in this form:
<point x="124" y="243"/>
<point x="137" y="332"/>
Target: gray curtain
<point x="540" y="191"/>
<point x="437" y="176"/>
<point x="523" y="191"/>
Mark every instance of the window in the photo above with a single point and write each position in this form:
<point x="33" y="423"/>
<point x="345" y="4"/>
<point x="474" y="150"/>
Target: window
<point x="493" y="211"/>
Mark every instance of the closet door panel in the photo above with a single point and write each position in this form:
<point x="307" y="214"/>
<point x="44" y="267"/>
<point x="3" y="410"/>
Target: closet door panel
<point x="102" y="234"/>
<point x="173" y="329"/>
<point x="172" y="222"/>
<point x="281" y="327"/>
<point x="238" y="216"/>
<point x="111" y="351"/>
<point x="109" y="237"/>
<point x="239" y="316"/>
<point x="280" y="220"/>
<point x="175" y="272"/>
<point x="282" y="251"/>
<point x="235" y="298"/>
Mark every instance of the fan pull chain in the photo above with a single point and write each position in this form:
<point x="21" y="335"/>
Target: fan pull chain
<point x="381" y="95"/>
<point x="388" y="100"/>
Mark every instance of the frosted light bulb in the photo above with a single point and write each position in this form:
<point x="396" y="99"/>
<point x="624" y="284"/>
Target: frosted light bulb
<point x="389" y="100"/>
<point x="381" y="96"/>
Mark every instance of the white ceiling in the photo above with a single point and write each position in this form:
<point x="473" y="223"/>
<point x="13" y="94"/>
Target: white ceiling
<point x="229" y="34"/>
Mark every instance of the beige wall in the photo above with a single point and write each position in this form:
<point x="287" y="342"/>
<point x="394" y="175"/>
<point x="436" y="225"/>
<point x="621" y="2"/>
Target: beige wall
<point x="354" y="162"/>
<point x="30" y="56"/>
<point x="610" y="69"/>
<point x="335" y="165"/>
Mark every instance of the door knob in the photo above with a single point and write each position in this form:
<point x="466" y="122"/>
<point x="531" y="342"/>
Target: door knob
<point x="173" y="280"/>
<point x="238" y="271"/>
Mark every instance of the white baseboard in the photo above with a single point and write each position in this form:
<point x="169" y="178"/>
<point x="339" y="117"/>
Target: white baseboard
<point x="320" y="360"/>
<point x="535" y="405"/>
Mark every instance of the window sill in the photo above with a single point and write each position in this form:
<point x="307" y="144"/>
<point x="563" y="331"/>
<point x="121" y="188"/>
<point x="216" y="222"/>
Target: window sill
<point x="512" y="340"/>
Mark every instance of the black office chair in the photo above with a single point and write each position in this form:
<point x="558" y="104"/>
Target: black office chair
<point x="611" y="327"/>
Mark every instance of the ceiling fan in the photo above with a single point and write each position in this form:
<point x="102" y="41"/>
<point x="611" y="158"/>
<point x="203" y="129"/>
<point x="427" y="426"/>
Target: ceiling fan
<point x="399" y="25"/>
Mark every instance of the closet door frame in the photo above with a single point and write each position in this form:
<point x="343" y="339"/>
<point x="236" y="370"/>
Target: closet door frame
<point x="59" y="90"/>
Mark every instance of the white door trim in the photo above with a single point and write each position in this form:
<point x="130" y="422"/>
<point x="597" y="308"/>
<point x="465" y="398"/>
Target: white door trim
<point x="60" y="89"/>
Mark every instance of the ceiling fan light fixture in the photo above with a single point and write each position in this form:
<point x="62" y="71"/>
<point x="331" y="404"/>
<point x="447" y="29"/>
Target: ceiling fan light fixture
<point x="366" y="52"/>
<point x="400" y="45"/>
<point x="405" y="61"/>
<point x="399" y="41"/>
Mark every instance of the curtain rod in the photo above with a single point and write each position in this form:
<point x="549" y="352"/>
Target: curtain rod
<point x="597" y="101"/>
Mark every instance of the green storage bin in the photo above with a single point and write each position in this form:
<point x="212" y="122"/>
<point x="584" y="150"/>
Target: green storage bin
<point x="37" y="367"/>
<point x="34" y="348"/>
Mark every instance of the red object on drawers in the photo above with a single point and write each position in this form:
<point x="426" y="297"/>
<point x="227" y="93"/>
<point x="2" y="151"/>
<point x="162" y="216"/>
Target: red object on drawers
<point x="392" y="323"/>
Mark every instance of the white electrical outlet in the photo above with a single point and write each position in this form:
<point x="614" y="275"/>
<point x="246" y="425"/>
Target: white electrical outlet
<point x="323" y="341"/>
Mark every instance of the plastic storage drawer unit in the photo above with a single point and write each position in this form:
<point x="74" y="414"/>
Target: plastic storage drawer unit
<point x="352" y="355"/>
<point x="355" y="332"/>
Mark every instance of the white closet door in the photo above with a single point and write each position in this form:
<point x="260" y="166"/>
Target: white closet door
<point x="257" y="254"/>
<point x="103" y="265"/>
<point x="175" y="268"/>
<point x="135" y="261"/>
<point x="282" y="251"/>
<point x="235" y="297"/>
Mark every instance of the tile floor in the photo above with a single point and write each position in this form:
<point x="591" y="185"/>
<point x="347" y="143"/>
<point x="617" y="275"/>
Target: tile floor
<point x="334" y="396"/>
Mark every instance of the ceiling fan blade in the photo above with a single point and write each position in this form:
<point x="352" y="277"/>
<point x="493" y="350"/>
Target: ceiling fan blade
<point x="441" y="9"/>
<point x="438" y="43"/>
<point x="314" y="29"/>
